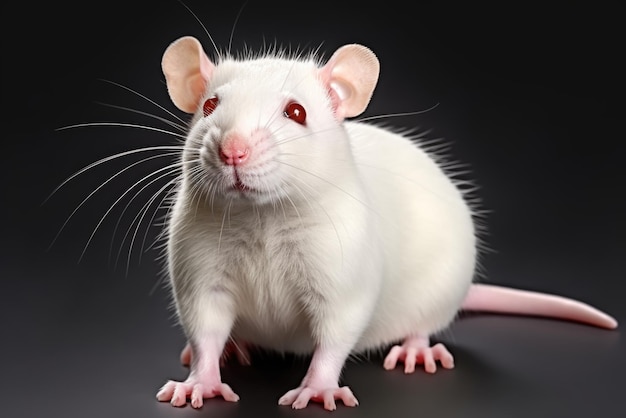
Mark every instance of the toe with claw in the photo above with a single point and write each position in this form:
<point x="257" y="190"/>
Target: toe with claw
<point x="177" y="393"/>
<point x="299" y="398"/>
<point x="416" y="350"/>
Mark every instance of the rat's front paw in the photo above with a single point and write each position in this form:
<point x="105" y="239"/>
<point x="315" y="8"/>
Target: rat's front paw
<point x="177" y="393"/>
<point x="299" y="398"/>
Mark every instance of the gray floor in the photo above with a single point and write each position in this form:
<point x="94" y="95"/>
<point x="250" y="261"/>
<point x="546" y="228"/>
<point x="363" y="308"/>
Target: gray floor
<point x="532" y="109"/>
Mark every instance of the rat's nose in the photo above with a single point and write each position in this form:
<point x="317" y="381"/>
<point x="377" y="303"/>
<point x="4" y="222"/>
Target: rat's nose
<point x="234" y="150"/>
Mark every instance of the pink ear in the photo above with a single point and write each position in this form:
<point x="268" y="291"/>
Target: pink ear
<point x="350" y="77"/>
<point x="187" y="72"/>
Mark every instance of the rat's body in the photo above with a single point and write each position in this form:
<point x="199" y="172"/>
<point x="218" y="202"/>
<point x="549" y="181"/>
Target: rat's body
<point x="276" y="261"/>
<point x="295" y="231"/>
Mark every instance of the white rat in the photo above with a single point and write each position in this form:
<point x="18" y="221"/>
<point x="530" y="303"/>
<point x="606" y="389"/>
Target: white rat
<point x="297" y="231"/>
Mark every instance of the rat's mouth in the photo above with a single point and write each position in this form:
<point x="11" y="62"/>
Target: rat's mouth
<point x="239" y="185"/>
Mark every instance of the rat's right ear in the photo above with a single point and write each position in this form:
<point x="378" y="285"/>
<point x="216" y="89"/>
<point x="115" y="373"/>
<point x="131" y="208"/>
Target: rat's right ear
<point x="187" y="72"/>
<point x="350" y="77"/>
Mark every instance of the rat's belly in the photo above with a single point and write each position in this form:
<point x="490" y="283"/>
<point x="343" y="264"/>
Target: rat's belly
<point x="296" y="339"/>
<point x="270" y="303"/>
<point x="272" y="317"/>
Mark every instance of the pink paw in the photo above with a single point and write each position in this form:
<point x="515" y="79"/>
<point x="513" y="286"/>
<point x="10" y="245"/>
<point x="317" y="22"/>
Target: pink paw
<point x="299" y="398"/>
<point x="415" y="350"/>
<point x="177" y="392"/>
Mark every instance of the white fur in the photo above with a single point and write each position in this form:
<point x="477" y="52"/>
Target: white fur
<point x="354" y="237"/>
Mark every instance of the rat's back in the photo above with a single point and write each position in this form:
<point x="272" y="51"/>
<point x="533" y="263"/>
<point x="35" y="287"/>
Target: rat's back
<point x="426" y="232"/>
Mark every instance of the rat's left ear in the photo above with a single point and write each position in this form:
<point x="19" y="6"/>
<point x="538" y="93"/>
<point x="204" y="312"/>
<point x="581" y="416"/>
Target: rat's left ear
<point x="350" y="77"/>
<point x="187" y="71"/>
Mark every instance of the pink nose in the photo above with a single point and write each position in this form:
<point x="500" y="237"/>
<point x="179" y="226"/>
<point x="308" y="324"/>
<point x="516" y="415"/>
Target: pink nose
<point x="234" y="150"/>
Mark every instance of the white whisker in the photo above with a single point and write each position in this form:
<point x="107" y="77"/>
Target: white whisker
<point x="393" y="115"/>
<point x="203" y="27"/>
<point x="219" y="239"/>
<point x="99" y="188"/>
<point x="307" y="135"/>
<point x="178" y="126"/>
<point x="110" y="158"/>
<point x="168" y="196"/>
<point x="121" y="125"/>
<point x="175" y="169"/>
<point x="145" y="98"/>
<point x="330" y="183"/>
<point x="118" y="200"/>
<point x="144" y="211"/>
<point x="232" y="31"/>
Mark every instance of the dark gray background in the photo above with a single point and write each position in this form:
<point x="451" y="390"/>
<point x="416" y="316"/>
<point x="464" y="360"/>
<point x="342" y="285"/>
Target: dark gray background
<point x="528" y="96"/>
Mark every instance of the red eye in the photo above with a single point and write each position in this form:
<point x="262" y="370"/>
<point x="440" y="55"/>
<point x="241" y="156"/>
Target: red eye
<point x="295" y="111"/>
<point x="209" y="105"/>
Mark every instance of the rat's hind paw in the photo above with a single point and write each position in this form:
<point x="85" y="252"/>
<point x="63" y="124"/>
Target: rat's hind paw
<point x="299" y="398"/>
<point x="177" y="392"/>
<point x="416" y="350"/>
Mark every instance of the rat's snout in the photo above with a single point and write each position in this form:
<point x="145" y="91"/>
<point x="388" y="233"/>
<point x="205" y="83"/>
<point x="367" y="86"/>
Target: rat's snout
<point x="234" y="149"/>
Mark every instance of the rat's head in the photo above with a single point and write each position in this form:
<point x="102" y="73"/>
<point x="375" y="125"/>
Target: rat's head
<point x="267" y="127"/>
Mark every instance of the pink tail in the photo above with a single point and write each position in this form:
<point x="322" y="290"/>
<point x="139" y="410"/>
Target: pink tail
<point x="489" y="298"/>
